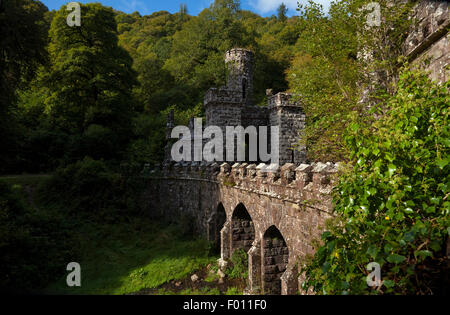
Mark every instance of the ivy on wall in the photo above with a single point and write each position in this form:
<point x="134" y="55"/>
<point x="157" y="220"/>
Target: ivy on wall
<point x="393" y="203"/>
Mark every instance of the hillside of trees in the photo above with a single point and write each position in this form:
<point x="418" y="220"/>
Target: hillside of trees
<point x="89" y="104"/>
<point x="103" y="89"/>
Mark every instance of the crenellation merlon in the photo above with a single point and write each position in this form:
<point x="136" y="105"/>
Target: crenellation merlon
<point x="222" y="96"/>
<point x="311" y="182"/>
<point x="283" y="99"/>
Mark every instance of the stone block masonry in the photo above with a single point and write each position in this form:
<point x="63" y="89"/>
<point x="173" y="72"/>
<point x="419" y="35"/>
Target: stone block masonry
<point x="275" y="255"/>
<point x="231" y="105"/>
<point x="427" y="44"/>
<point x="273" y="216"/>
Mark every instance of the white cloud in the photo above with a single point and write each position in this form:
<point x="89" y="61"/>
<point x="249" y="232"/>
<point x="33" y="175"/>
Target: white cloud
<point x="131" y="6"/>
<point x="267" y="6"/>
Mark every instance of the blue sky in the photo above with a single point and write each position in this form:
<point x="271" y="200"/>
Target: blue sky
<point x="262" y="7"/>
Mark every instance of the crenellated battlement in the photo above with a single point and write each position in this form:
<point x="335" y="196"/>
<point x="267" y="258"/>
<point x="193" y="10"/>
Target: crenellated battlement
<point x="282" y="99"/>
<point x="223" y="95"/>
<point x="273" y="212"/>
<point x="235" y="205"/>
<point x="307" y="184"/>
<point x="232" y="105"/>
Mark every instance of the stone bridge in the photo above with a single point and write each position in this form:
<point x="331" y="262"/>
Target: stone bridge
<point x="272" y="213"/>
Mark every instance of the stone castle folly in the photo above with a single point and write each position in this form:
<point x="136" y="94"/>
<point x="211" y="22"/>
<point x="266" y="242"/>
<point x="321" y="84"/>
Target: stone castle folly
<point x="274" y="215"/>
<point x="231" y="105"/>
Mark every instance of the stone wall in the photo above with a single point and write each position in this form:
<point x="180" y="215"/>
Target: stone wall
<point x="239" y="63"/>
<point x="243" y="231"/>
<point x="294" y="200"/>
<point x="255" y="116"/>
<point x="231" y="105"/>
<point x="275" y="255"/>
<point x="288" y="115"/>
<point x="428" y="41"/>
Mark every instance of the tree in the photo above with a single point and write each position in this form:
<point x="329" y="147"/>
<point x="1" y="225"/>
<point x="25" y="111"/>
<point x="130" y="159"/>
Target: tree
<point x="149" y="41"/>
<point x="156" y="84"/>
<point x="22" y="45"/>
<point x="325" y="75"/>
<point x="183" y="9"/>
<point x="91" y="77"/>
<point x="282" y="10"/>
<point x="198" y="49"/>
<point x="23" y="37"/>
<point x="233" y="5"/>
<point x="392" y="203"/>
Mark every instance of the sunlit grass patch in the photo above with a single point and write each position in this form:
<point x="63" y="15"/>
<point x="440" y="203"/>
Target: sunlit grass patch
<point x="131" y="257"/>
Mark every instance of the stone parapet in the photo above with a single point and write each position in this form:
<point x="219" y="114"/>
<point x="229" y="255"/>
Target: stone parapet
<point x="427" y="44"/>
<point x="308" y="184"/>
<point x="222" y="96"/>
<point x="282" y="99"/>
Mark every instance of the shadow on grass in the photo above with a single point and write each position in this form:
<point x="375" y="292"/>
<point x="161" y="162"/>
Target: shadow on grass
<point x="115" y="258"/>
<point x="129" y="257"/>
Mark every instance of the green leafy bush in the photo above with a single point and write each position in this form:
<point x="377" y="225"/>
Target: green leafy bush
<point x="239" y="265"/>
<point x="97" y="142"/>
<point x="33" y="244"/>
<point x="149" y="139"/>
<point x="392" y="206"/>
<point x="90" y="188"/>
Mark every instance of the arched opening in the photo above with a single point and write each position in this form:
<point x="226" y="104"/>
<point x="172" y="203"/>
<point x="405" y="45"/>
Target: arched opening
<point x="221" y="218"/>
<point x="216" y="223"/>
<point x="243" y="231"/>
<point x="275" y="259"/>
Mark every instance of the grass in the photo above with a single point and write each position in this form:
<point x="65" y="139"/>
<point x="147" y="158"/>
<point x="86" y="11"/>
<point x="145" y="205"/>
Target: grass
<point x="24" y="180"/>
<point x="121" y="258"/>
<point x="212" y="277"/>
<point x="238" y="268"/>
<point x="234" y="291"/>
<point x="125" y="258"/>
<point x="202" y="291"/>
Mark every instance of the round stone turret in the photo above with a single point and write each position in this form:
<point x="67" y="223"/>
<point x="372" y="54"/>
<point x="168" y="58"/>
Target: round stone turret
<point x="240" y="72"/>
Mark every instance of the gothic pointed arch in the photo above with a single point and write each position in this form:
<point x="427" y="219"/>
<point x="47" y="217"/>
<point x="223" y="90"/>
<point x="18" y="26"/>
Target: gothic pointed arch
<point x="275" y="257"/>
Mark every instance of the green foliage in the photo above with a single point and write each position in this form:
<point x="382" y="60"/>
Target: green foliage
<point x="128" y="257"/>
<point x="22" y="46"/>
<point x="239" y="265"/>
<point x="212" y="276"/>
<point x="149" y="140"/>
<point x="332" y="68"/>
<point x="81" y="104"/>
<point x="197" y="54"/>
<point x="91" y="77"/>
<point x="85" y="100"/>
<point x="89" y="188"/>
<point x="234" y="291"/>
<point x="392" y="206"/>
<point x="23" y="36"/>
<point x="281" y="12"/>
<point x="34" y="244"/>
<point x="383" y="45"/>
<point x="179" y="59"/>
<point x="149" y="40"/>
<point x="324" y="74"/>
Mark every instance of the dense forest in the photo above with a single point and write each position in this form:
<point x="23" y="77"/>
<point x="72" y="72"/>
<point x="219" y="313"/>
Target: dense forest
<point x="102" y="90"/>
<point x="88" y="105"/>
